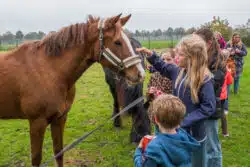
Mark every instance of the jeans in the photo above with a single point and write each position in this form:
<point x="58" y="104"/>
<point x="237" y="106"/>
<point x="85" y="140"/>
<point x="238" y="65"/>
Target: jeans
<point x="236" y="85"/>
<point x="226" y="101"/>
<point x="199" y="156"/>
<point x="213" y="146"/>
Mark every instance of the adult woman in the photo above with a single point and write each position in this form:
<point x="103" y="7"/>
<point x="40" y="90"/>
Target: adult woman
<point x="238" y="51"/>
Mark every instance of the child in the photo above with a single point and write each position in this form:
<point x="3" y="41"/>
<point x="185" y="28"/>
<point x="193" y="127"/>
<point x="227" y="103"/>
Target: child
<point x="220" y="40"/>
<point x="172" y="146"/>
<point x="193" y="84"/>
<point x="160" y="82"/>
<point x="224" y="94"/>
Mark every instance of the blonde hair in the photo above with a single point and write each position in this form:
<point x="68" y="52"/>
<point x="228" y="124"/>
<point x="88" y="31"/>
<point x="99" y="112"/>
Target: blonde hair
<point x="196" y="61"/>
<point x="168" y="109"/>
<point x="225" y="54"/>
<point x="231" y="41"/>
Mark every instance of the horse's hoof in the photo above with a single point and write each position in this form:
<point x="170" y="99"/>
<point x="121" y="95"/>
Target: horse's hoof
<point x="117" y="123"/>
<point x="135" y="143"/>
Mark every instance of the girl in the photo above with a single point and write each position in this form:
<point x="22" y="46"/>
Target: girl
<point x="193" y="85"/>
<point x="218" y="69"/>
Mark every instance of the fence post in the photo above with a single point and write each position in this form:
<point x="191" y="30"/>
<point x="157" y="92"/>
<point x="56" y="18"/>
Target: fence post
<point x="149" y="42"/>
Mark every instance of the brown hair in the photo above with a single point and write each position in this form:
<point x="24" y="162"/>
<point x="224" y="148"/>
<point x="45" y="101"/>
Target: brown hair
<point x="169" y="110"/>
<point x="207" y="35"/>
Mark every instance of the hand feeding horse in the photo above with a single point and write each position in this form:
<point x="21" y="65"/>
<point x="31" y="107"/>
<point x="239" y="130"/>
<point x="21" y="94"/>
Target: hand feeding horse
<point x="124" y="94"/>
<point x="38" y="78"/>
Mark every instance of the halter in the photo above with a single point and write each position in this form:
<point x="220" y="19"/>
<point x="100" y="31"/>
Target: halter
<point x="111" y="57"/>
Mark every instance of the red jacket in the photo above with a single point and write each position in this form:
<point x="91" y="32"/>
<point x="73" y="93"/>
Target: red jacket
<point x="228" y="81"/>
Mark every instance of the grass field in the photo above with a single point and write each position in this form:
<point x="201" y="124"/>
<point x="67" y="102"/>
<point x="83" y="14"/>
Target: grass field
<point x="110" y="147"/>
<point x="158" y="44"/>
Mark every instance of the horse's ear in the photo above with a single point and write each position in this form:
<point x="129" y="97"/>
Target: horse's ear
<point x="125" y="19"/>
<point x="113" y="20"/>
<point x="91" y="19"/>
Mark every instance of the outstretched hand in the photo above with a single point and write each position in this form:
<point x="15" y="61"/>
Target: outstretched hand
<point x="145" y="51"/>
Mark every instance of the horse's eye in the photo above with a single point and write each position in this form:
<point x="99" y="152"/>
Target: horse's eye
<point x="118" y="43"/>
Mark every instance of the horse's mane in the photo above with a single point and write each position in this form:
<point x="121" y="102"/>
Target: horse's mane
<point x="65" y="38"/>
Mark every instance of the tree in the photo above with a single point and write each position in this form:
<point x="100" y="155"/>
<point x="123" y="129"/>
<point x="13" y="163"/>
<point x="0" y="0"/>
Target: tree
<point x="40" y="35"/>
<point x="248" y="23"/>
<point x="190" y="30"/>
<point x="31" y="36"/>
<point x="178" y="32"/>
<point x="181" y="32"/>
<point x="19" y="35"/>
<point x="170" y="32"/>
<point x="1" y="38"/>
<point x="158" y="33"/>
<point x="8" y="37"/>
<point x="137" y="33"/>
<point x="220" y="25"/>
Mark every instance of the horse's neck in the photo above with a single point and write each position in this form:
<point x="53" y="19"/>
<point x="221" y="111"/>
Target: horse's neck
<point x="74" y="63"/>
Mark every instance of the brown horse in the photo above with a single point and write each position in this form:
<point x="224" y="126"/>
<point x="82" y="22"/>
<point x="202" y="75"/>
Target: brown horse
<point x="38" y="78"/>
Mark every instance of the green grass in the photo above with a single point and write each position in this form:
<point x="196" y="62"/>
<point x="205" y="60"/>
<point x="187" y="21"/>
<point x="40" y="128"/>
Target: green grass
<point x="111" y="147"/>
<point x="158" y="44"/>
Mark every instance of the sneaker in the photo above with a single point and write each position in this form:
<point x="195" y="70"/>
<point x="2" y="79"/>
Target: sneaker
<point x="226" y="112"/>
<point x="226" y="135"/>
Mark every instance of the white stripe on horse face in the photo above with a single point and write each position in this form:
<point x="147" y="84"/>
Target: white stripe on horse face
<point x="131" y="50"/>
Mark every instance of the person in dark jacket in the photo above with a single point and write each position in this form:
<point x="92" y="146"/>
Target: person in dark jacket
<point x="171" y="146"/>
<point x="192" y="83"/>
<point x="218" y="68"/>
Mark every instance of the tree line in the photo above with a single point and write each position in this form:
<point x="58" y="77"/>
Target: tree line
<point x="216" y="24"/>
<point x="10" y="38"/>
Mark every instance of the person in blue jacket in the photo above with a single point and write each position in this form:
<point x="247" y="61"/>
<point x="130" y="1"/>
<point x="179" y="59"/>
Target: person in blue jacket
<point x="193" y="84"/>
<point x="171" y="146"/>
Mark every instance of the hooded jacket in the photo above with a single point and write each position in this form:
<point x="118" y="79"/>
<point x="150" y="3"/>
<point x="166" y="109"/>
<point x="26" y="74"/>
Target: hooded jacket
<point x="167" y="150"/>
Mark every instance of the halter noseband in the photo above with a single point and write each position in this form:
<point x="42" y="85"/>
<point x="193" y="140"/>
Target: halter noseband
<point x="110" y="56"/>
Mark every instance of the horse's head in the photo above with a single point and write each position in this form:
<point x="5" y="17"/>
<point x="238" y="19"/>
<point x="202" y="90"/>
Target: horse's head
<point x="113" y="49"/>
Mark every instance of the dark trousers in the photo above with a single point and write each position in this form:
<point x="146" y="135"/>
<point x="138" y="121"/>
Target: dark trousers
<point x="223" y="118"/>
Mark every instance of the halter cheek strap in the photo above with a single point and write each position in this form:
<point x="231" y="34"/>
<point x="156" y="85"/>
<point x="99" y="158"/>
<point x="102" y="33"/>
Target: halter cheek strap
<point x="110" y="56"/>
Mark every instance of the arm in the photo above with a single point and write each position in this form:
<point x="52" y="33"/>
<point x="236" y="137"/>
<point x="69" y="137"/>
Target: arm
<point x="229" y="78"/>
<point x="168" y="70"/>
<point x="206" y="106"/>
<point x="139" y="162"/>
<point x="243" y="51"/>
<point x="219" y="78"/>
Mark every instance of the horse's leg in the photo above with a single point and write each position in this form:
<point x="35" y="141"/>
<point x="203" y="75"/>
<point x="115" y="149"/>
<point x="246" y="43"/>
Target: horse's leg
<point x="37" y="130"/>
<point x="140" y="120"/>
<point x="140" y="124"/>
<point x="57" y="128"/>
<point x="117" y="120"/>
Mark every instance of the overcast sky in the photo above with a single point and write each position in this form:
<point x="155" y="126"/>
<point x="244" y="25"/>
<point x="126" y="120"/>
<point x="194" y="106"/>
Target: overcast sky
<point x="48" y="15"/>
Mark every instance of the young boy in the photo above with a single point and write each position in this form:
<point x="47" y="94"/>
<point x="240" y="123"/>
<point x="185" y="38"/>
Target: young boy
<point x="224" y="94"/>
<point x="171" y="146"/>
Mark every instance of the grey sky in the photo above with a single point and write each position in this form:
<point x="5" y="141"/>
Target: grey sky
<point x="48" y="15"/>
